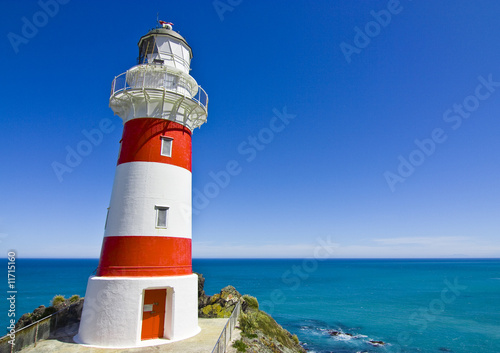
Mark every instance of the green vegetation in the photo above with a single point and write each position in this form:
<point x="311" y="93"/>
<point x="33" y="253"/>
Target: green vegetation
<point x="251" y="301"/>
<point x="216" y="310"/>
<point x="256" y="323"/>
<point x="48" y="311"/>
<point x="249" y="335"/>
<point x="57" y="300"/>
<point x="74" y="298"/>
<point x="240" y="346"/>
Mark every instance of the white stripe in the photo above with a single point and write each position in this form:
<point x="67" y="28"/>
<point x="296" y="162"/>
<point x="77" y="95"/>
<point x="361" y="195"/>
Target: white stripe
<point x="138" y="188"/>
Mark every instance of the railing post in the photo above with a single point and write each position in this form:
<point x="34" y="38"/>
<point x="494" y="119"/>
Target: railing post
<point x="36" y="333"/>
<point x="224" y="341"/>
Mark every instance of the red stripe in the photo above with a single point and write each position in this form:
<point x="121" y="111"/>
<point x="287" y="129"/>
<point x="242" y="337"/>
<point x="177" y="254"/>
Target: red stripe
<point x="141" y="142"/>
<point x="145" y="256"/>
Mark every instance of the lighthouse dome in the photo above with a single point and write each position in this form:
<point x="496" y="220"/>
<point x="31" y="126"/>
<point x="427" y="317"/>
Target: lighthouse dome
<point x="164" y="46"/>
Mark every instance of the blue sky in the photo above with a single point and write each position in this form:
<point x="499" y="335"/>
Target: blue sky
<point x="390" y="147"/>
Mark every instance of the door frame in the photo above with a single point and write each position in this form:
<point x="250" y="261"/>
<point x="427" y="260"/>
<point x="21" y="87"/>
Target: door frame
<point x="167" y="318"/>
<point x="141" y="326"/>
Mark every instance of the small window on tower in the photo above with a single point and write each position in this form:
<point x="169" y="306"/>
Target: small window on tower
<point x="120" y="148"/>
<point x="161" y="217"/>
<point x="166" y="146"/>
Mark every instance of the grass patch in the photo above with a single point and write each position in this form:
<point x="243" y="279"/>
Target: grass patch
<point x="249" y="335"/>
<point x="254" y="321"/>
<point x="74" y="298"/>
<point x="251" y="301"/>
<point x="57" y="300"/>
<point x="240" y="346"/>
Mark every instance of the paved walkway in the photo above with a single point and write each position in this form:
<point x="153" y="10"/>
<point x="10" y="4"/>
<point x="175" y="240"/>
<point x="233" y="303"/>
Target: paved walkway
<point x="204" y="342"/>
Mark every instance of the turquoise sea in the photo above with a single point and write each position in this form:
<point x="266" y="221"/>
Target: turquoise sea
<point x="332" y="305"/>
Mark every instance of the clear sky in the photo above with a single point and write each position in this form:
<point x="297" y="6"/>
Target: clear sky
<point x="369" y="125"/>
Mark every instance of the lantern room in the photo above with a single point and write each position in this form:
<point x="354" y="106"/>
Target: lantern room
<point x="165" y="46"/>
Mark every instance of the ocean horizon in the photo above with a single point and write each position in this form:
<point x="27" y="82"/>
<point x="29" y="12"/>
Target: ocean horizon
<point x="333" y="305"/>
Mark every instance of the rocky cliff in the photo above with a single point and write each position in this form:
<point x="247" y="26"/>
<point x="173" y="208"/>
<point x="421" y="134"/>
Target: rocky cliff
<point x="260" y="333"/>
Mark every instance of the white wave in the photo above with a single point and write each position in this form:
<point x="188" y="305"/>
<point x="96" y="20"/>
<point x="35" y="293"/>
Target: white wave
<point x="343" y="337"/>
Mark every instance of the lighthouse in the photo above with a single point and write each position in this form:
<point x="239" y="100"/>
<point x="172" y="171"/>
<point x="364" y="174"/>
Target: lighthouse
<point x="144" y="291"/>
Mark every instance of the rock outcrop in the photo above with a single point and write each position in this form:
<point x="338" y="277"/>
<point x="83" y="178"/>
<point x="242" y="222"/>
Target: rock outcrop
<point x="202" y="297"/>
<point x="221" y="304"/>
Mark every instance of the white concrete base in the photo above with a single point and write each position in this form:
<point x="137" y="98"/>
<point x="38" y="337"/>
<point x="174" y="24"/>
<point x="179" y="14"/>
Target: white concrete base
<point x="112" y="310"/>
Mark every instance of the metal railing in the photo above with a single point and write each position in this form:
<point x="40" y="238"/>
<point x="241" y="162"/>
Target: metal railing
<point x="159" y="78"/>
<point x="34" y="332"/>
<point x="225" y="336"/>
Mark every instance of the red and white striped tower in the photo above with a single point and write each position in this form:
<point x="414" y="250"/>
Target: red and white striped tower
<point x="144" y="291"/>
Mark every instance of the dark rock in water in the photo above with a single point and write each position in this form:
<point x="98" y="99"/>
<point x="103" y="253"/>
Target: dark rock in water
<point x="338" y="333"/>
<point x="377" y="343"/>
<point x="444" y="349"/>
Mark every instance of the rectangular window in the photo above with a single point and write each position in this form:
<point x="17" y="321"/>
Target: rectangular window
<point x="120" y="149"/>
<point x="166" y="146"/>
<point x="161" y="217"/>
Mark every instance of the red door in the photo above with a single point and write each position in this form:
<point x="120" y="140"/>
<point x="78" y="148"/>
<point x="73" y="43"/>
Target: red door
<point x="153" y="313"/>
